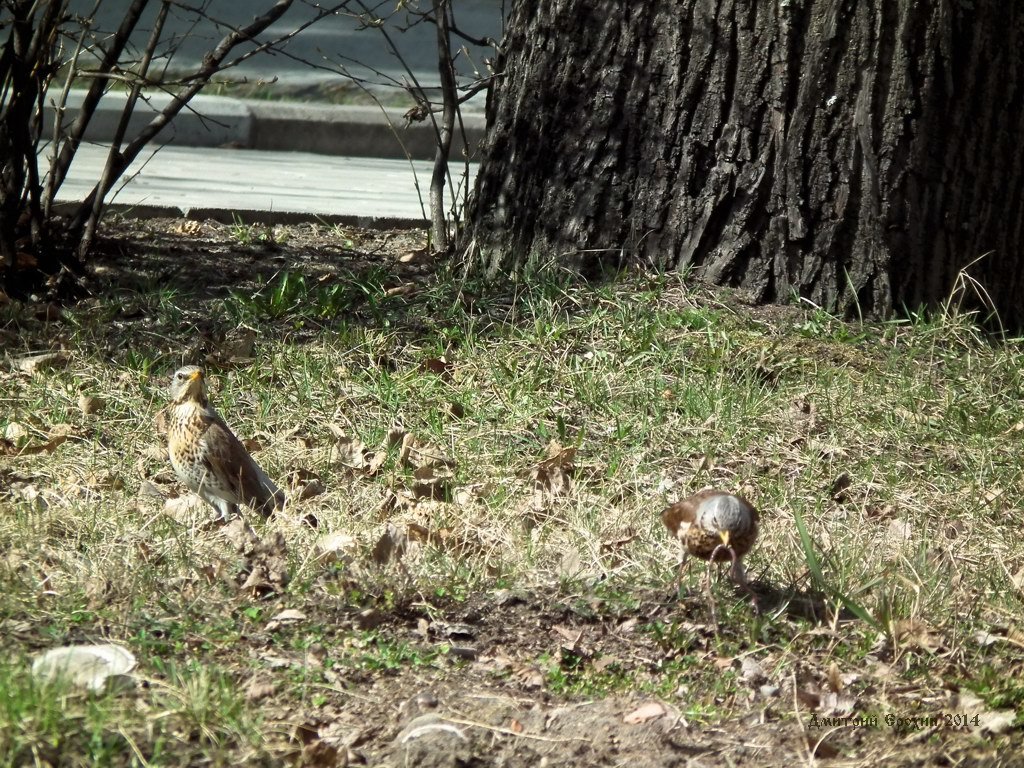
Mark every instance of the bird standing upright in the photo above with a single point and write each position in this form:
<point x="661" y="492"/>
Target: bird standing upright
<point x="715" y="526"/>
<point x="207" y="456"/>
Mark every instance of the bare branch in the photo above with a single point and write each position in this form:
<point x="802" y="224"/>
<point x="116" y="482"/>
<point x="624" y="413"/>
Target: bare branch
<point x="110" y="172"/>
<point x="58" y="115"/>
<point x="211" y="64"/>
<point x="445" y="67"/>
<point x="62" y="162"/>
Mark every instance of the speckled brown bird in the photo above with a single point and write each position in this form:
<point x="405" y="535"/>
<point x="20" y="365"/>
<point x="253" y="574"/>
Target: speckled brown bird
<point x="714" y="524"/>
<point x="207" y="456"/>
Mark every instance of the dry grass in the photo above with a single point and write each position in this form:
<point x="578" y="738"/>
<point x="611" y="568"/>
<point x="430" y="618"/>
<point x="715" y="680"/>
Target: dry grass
<point x="894" y="444"/>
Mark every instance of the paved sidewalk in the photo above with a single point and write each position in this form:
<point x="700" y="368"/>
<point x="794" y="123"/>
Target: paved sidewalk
<point x="262" y="186"/>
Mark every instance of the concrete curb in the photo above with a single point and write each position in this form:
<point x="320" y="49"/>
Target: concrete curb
<point x="216" y="121"/>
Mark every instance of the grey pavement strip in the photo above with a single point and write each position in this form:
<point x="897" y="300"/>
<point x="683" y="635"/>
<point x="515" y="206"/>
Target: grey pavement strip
<point x="278" y="186"/>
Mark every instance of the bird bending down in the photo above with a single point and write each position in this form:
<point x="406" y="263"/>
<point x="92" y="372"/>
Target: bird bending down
<point x="715" y="526"/>
<point x="207" y="456"/>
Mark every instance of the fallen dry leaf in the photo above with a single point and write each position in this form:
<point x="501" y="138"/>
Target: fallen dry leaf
<point x="287" y="616"/>
<point x="335" y="547"/>
<point x="570" y="639"/>
<point x="1015" y="636"/>
<point x="237" y="347"/>
<point x="998" y="720"/>
<point x="93" y="667"/>
<point x="395" y="436"/>
<point x="352" y="453"/>
<point x="349" y="452"/>
<point x="185" y="509"/>
<point x="994" y="721"/>
<point x="405" y="452"/>
<point x="16" y="435"/>
<point x="835" y="680"/>
<point x="189" y="227"/>
<point x="652" y="710"/>
<point x="916" y="633"/>
<point x="613" y="545"/>
<point x="553" y="475"/>
<point x="15" y="431"/>
<point x="304" y="484"/>
<point x="405" y="289"/>
<point x="900" y="530"/>
<point x="467" y="494"/>
<point x="105" y="480"/>
<point x="34" y="497"/>
<point x="570" y="564"/>
<point x="428" y="485"/>
<point x="833" y="703"/>
<point x="160" y="423"/>
<point x="252" y="445"/>
<point x="439" y="366"/>
<point x="985" y="639"/>
<point x="392" y="544"/>
<point x="240" y="535"/>
<point x="992" y="495"/>
<point x="529" y="676"/>
<point x="267" y="567"/>
<point x="47" y="361"/>
<point x="259" y="688"/>
<point x="415" y="455"/>
<point x="416" y="255"/>
<point x="322" y="754"/>
<point x="91" y="404"/>
<point x="751" y="671"/>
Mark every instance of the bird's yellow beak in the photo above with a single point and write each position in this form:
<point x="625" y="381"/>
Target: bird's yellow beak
<point x="197" y="376"/>
<point x="724" y="536"/>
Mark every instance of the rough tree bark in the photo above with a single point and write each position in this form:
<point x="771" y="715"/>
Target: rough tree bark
<point x="856" y="153"/>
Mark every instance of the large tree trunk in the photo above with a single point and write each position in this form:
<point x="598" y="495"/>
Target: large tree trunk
<point x="858" y="154"/>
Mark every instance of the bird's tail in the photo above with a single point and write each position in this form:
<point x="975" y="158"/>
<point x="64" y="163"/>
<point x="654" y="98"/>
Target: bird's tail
<point x="265" y="496"/>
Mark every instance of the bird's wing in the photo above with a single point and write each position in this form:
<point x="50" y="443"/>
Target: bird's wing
<point x="682" y="513"/>
<point x="229" y="461"/>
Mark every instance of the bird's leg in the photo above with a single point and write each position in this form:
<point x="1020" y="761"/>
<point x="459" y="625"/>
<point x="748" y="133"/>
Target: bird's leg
<point x="739" y="576"/>
<point x="737" y="573"/>
<point x="224" y="510"/>
<point x="684" y="558"/>
<point x="711" y="595"/>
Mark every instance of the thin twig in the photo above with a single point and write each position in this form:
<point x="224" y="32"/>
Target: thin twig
<point x="446" y="70"/>
<point x="211" y="63"/>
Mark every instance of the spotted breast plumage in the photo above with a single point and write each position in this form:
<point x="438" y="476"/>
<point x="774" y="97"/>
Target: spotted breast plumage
<point x="207" y="456"/>
<point x="713" y="524"/>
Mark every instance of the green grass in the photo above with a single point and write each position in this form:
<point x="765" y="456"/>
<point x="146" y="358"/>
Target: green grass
<point x="884" y="458"/>
<point x="199" y="711"/>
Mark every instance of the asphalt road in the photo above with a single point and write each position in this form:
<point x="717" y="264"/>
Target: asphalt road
<point x="181" y="179"/>
<point x="339" y="42"/>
